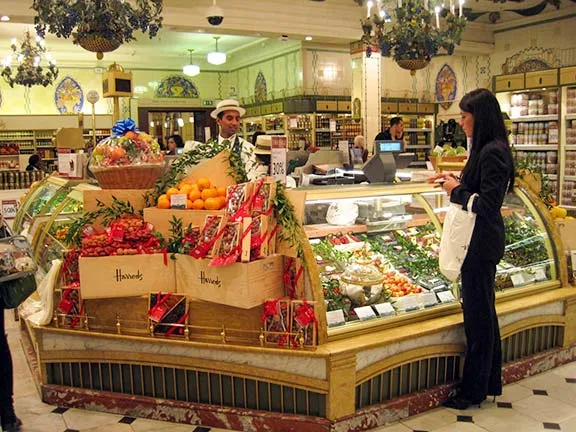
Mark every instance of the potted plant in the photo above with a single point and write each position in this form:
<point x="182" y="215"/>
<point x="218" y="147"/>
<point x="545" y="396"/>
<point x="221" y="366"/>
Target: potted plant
<point x="97" y="25"/>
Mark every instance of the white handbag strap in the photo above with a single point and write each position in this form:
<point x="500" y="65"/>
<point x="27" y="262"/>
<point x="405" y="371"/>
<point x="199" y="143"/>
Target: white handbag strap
<point x="470" y="202"/>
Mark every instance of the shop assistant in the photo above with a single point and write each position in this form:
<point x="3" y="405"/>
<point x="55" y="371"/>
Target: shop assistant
<point x="227" y="114"/>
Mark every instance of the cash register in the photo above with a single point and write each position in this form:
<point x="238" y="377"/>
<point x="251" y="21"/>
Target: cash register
<point x="387" y="158"/>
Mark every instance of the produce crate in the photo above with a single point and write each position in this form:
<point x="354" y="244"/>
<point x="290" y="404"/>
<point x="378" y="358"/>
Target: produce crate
<point x="241" y="285"/>
<point x="126" y="275"/>
<point x="160" y="218"/>
<point x="435" y="160"/>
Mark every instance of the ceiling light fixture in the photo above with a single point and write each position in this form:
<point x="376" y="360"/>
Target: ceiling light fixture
<point x="5" y="18"/>
<point x="216" y="57"/>
<point x="191" y="69"/>
<point x="308" y="38"/>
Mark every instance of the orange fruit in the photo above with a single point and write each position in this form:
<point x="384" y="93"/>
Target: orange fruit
<point x="163" y="202"/>
<point x="212" y="203"/>
<point x="198" y="204"/>
<point x="221" y="191"/>
<point x="185" y="189"/>
<point x="204" y="183"/>
<point x="172" y="191"/>
<point x="209" y="193"/>
<point x="222" y="202"/>
<point x="194" y="194"/>
<point x="188" y="204"/>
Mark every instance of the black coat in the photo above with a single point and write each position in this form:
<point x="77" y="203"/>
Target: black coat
<point x="488" y="175"/>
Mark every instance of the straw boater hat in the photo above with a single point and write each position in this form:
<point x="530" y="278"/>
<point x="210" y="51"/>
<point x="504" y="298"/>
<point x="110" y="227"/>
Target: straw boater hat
<point x="227" y="105"/>
<point x="263" y="144"/>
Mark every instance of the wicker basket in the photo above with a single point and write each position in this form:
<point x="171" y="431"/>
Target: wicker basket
<point x="98" y="44"/>
<point x="129" y="177"/>
<point x="438" y="159"/>
<point x="413" y="65"/>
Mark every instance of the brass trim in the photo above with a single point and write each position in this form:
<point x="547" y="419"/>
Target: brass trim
<point x="407" y="357"/>
<point x="532" y="322"/>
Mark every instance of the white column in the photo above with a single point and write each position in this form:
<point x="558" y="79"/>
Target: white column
<point x="366" y="74"/>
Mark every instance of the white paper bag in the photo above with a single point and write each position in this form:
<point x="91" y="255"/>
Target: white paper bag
<point x="456" y="235"/>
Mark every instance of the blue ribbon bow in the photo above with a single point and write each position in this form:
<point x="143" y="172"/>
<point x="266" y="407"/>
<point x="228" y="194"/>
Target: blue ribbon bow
<point x="123" y="126"/>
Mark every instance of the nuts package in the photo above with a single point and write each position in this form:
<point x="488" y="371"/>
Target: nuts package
<point x="15" y="258"/>
<point x="168" y="313"/>
<point x="210" y="236"/>
<point x="238" y="199"/>
<point x="304" y="323"/>
<point x="259" y="237"/>
<point x="276" y="320"/>
<point x="263" y="197"/>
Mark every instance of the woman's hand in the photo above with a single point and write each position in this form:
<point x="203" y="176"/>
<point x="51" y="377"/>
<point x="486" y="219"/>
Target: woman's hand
<point x="446" y="181"/>
<point x="450" y="184"/>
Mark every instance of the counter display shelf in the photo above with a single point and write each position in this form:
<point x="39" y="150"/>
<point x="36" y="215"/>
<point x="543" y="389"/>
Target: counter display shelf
<point x="388" y="325"/>
<point x="398" y="231"/>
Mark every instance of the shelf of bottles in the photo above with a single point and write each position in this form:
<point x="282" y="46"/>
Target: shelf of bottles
<point x="346" y="129"/>
<point x="299" y="131"/>
<point x="274" y="124"/>
<point x="19" y="179"/>
<point x="323" y="132"/>
<point x="569" y="184"/>
<point x="99" y="133"/>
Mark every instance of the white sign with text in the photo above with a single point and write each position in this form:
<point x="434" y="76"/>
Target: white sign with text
<point x="278" y="163"/>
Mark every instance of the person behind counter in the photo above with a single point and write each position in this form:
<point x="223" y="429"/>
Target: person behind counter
<point x="174" y="143"/>
<point x="394" y="132"/>
<point x="359" y="143"/>
<point x="489" y="173"/>
<point x="227" y="115"/>
<point x="34" y="163"/>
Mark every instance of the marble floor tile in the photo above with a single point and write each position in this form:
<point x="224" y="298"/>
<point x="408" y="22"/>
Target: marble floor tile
<point x="143" y="425"/>
<point x="563" y="393"/>
<point x="461" y="427"/>
<point x="82" y="419"/>
<point x="496" y="419"/>
<point x="397" y="427"/>
<point x="513" y="393"/>
<point x="545" y="409"/>
<point x="542" y="381"/>
<point x="117" y="427"/>
<point x="47" y="423"/>
<point x="430" y="420"/>
<point x="568" y="370"/>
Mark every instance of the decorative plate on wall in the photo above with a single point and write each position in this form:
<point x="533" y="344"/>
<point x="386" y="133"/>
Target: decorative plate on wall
<point x="446" y="86"/>
<point x="260" y="88"/>
<point x="68" y="96"/>
<point x="176" y="86"/>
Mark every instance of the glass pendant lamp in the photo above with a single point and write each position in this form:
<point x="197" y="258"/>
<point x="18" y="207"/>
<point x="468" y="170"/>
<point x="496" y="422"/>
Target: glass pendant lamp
<point x="216" y="57"/>
<point x="191" y="69"/>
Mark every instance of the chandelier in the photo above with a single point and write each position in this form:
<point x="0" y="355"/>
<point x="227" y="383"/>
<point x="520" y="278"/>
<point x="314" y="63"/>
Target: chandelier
<point x="419" y="31"/>
<point x="98" y="25"/>
<point x="28" y="71"/>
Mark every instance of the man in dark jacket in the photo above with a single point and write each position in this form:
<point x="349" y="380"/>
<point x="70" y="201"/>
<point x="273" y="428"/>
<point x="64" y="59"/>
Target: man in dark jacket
<point x="394" y="132"/>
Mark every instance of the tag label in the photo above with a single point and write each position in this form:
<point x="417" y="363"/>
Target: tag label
<point x="409" y="302"/>
<point x="365" y="313"/>
<point x="428" y="299"/>
<point x="540" y="274"/>
<point x="178" y="201"/>
<point x="384" y="309"/>
<point x="9" y="209"/>
<point x="335" y="318"/>
<point x="446" y="297"/>
<point x="278" y="166"/>
<point x="518" y="279"/>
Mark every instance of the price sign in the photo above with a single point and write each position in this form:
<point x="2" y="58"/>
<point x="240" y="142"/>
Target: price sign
<point x="278" y="163"/>
<point x="332" y="125"/>
<point x="385" y="309"/>
<point x="335" y="318"/>
<point x="365" y="313"/>
<point x="446" y="297"/>
<point x="9" y="208"/>
<point x="178" y="201"/>
<point x="293" y="122"/>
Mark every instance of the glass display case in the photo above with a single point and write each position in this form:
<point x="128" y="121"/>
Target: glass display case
<point x="48" y="230"/>
<point x="47" y="195"/>
<point x="377" y="246"/>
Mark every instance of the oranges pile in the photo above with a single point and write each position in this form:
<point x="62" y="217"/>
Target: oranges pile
<point x="201" y="195"/>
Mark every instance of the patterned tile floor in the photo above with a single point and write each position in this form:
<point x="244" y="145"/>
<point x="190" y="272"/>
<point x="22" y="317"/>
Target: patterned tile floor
<point x="545" y="402"/>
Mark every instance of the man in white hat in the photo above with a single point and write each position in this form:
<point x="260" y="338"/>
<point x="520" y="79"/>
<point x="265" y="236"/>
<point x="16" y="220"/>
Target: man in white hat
<point x="227" y="115"/>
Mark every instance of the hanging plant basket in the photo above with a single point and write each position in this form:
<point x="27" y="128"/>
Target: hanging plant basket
<point x="413" y="65"/>
<point x="98" y="44"/>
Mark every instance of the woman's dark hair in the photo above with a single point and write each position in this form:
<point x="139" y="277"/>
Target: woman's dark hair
<point x="488" y="123"/>
<point x="178" y="140"/>
<point x="33" y="160"/>
<point x="256" y="135"/>
<point x="395" y="120"/>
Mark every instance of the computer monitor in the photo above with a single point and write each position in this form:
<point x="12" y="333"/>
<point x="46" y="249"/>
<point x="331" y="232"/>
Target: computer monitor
<point x="387" y="146"/>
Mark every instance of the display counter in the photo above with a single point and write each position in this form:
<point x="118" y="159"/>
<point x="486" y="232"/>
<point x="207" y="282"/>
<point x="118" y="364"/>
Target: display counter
<point x="388" y="342"/>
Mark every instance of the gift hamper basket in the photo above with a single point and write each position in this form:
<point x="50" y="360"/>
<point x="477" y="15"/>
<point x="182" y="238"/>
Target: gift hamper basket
<point x="129" y="159"/>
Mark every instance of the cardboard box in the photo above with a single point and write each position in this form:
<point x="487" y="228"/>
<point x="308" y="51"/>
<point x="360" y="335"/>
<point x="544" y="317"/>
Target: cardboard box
<point x="71" y="138"/>
<point x="125" y="276"/>
<point x="216" y="169"/>
<point x="241" y="285"/>
<point x="567" y="231"/>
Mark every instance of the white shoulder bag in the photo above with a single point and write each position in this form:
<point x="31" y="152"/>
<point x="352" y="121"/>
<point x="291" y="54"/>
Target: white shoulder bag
<point x="456" y="235"/>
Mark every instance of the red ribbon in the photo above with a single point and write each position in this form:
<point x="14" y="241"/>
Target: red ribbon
<point x="232" y="256"/>
<point x="305" y="315"/>
<point x="270" y="310"/>
<point x="273" y="233"/>
<point x="202" y="249"/>
<point x="173" y="328"/>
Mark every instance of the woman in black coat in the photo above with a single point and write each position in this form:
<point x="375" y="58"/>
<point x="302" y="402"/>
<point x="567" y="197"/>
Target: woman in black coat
<point x="10" y="423"/>
<point x="489" y="173"/>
